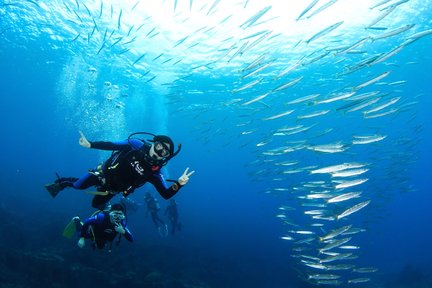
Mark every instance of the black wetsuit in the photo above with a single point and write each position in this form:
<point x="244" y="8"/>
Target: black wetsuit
<point x="172" y="212"/>
<point x="126" y="170"/>
<point x="100" y="229"/>
<point x="153" y="208"/>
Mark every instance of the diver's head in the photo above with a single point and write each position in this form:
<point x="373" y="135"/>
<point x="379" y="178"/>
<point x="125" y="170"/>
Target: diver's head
<point x="161" y="150"/>
<point x="162" y="147"/>
<point x="117" y="213"/>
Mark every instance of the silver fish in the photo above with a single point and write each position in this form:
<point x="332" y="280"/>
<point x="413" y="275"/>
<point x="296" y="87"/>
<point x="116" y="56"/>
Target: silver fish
<point x="344" y="197"/>
<point x="289" y="84"/>
<point x="376" y="79"/>
<point x="380" y="107"/>
<point x="279" y="115"/>
<point x="321" y="8"/>
<point x="309" y="7"/>
<point x="347" y="184"/>
<point x="368" y="139"/>
<point x="358" y="280"/>
<point x="353" y="209"/>
<point x="335" y="233"/>
<point x="335" y="168"/>
<point x="334" y="244"/>
<point x="394" y="32"/>
<point x="324" y="31"/>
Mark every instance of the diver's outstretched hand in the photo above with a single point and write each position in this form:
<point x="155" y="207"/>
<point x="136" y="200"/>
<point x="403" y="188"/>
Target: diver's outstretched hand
<point x="83" y="140"/>
<point x="184" y="179"/>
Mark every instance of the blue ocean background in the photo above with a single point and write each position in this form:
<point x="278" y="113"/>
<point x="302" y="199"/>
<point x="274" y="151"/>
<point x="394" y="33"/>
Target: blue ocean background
<point x="62" y="72"/>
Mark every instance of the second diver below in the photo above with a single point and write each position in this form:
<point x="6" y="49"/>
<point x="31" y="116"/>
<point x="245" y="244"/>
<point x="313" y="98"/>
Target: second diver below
<point x="133" y="163"/>
<point x="103" y="227"/>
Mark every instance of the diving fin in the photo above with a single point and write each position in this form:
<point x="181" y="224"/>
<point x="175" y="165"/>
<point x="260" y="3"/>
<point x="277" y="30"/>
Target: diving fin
<point x="53" y="188"/>
<point x="72" y="227"/>
<point x="69" y="230"/>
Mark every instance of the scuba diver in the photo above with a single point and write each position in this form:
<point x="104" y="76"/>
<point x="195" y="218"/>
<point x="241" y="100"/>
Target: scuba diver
<point x="132" y="163"/>
<point x="153" y="208"/>
<point x="172" y="212"/>
<point x="103" y="227"/>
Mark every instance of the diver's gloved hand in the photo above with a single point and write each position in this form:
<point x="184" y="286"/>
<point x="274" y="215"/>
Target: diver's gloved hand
<point x="81" y="242"/>
<point x="120" y="229"/>
<point x="83" y="141"/>
<point x="184" y="179"/>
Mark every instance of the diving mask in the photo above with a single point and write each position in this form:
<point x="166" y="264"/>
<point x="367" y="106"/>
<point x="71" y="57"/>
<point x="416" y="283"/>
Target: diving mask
<point x="116" y="216"/>
<point x="161" y="149"/>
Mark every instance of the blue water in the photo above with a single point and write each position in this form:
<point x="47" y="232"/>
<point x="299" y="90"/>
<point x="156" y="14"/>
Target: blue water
<point x="231" y="234"/>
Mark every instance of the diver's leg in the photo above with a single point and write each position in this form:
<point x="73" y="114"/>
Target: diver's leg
<point x="86" y="181"/>
<point x="159" y="220"/>
<point x="77" y="183"/>
<point x="154" y="219"/>
<point x="59" y="184"/>
<point x="162" y="227"/>
<point x="66" y="181"/>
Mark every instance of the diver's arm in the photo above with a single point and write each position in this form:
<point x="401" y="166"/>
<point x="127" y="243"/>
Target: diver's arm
<point x="161" y="186"/>
<point x="87" y="223"/>
<point x="102" y="145"/>
<point x="128" y="235"/>
<point x="117" y="145"/>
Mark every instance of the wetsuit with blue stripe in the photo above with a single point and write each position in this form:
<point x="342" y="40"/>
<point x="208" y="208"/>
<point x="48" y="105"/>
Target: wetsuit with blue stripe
<point x="100" y="229"/>
<point x="126" y="170"/>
